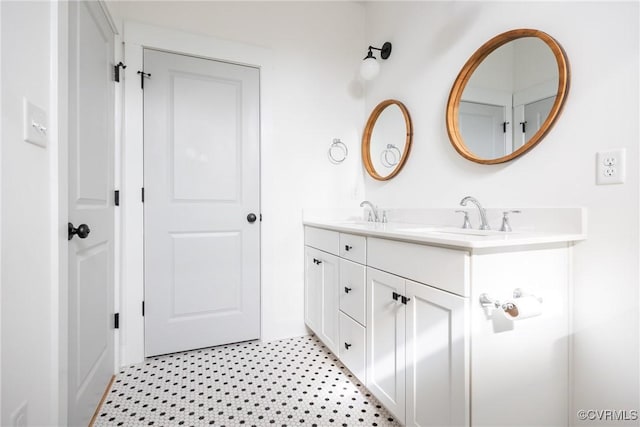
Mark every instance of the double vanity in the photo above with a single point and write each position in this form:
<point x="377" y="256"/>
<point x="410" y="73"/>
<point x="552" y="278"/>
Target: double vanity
<point x="447" y="324"/>
<point x="427" y="316"/>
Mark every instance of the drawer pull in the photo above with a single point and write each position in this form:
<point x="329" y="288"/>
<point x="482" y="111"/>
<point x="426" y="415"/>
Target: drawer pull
<point x="405" y="300"/>
<point x="346" y="346"/>
<point x="347" y="290"/>
<point x="396" y="296"/>
<point x="347" y="248"/>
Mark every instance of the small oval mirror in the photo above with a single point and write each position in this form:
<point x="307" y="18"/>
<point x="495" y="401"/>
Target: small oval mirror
<point x="386" y="141"/>
<point x="507" y="96"/>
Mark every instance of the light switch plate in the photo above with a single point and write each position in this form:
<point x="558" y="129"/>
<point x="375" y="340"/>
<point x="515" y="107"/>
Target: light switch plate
<point x="35" y="124"/>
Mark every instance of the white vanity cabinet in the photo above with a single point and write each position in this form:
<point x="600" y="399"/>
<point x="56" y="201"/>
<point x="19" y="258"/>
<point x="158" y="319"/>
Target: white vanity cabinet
<point x="418" y="341"/>
<point x="335" y="294"/>
<point x="424" y="323"/>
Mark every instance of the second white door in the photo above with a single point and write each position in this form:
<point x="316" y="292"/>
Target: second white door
<point x="201" y="203"/>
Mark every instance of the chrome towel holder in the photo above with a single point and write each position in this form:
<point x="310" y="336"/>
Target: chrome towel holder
<point x="338" y="151"/>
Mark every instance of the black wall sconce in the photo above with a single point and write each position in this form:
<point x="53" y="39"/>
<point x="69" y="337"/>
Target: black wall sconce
<point x="370" y="68"/>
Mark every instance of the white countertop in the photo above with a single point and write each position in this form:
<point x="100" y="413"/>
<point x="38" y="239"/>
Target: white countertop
<point x="446" y="235"/>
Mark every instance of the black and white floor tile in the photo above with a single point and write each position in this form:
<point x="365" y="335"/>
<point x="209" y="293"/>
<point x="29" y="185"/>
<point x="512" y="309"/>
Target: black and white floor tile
<point x="293" y="382"/>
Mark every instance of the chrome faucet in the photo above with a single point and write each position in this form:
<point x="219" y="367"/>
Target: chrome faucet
<point x="483" y="213"/>
<point x="376" y="218"/>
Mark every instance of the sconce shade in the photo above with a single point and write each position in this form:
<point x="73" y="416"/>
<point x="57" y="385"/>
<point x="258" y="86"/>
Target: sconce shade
<point x="369" y="68"/>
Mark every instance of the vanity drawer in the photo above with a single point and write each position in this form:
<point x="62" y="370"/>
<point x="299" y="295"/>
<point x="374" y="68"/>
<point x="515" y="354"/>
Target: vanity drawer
<point x="352" y="349"/>
<point x="325" y="240"/>
<point x="353" y="297"/>
<point x="443" y="268"/>
<point x="353" y="247"/>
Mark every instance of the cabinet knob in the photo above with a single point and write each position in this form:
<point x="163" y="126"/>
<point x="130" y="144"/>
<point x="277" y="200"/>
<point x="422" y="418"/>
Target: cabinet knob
<point x="405" y="300"/>
<point x="317" y="261"/>
<point x="347" y="248"/>
<point x="347" y="290"/>
<point x="396" y="296"/>
<point x="346" y="346"/>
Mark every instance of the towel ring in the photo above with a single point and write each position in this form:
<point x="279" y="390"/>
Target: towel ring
<point x="338" y="151"/>
<point x="390" y="156"/>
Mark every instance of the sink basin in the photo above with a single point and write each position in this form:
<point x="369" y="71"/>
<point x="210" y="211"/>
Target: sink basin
<point x="451" y="230"/>
<point x="468" y="232"/>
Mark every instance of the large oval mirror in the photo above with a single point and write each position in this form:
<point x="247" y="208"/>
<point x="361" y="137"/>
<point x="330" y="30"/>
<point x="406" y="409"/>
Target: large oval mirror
<point x="507" y="96"/>
<point x="386" y="141"/>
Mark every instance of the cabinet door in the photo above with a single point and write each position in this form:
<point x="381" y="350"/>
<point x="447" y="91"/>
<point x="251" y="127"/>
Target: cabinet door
<point x="437" y="356"/>
<point x="386" y="340"/>
<point x="321" y="296"/>
<point x="312" y="289"/>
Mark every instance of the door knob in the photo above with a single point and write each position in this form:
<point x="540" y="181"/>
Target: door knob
<point x="82" y="231"/>
<point x="252" y="217"/>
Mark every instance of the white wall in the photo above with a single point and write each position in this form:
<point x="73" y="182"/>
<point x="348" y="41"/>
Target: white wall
<point x="316" y="50"/>
<point x="431" y="42"/>
<point x="29" y="366"/>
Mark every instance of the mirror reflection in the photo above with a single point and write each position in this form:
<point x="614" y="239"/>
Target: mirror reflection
<point x="508" y="97"/>
<point x="386" y="140"/>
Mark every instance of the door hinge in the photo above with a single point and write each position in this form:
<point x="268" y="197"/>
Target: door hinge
<point x="116" y="321"/>
<point x="116" y="71"/>
<point x="142" y="194"/>
<point x="116" y="197"/>
<point x="143" y="75"/>
<point x="142" y="308"/>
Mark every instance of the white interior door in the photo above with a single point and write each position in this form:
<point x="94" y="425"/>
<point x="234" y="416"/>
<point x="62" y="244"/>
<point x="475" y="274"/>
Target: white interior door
<point x="535" y="113"/>
<point x="201" y="203"/>
<point x="91" y="135"/>
<point x="482" y="129"/>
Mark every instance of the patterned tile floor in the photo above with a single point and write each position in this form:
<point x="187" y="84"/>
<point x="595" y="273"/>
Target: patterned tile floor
<point x="293" y="382"/>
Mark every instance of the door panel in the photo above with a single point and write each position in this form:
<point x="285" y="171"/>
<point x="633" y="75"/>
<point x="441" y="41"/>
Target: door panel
<point x="198" y="259"/>
<point x="201" y="177"/>
<point x="205" y="168"/>
<point x="321" y="296"/>
<point x="535" y="113"/>
<point x="481" y="127"/>
<point x="91" y="95"/>
<point x="312" y="289"/>
<point x="437" y="358"/>
<point x="386" y="341"/>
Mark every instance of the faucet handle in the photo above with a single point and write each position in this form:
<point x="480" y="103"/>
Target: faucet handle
<point x="466" y="223"/>
<point x="505" y="220"/>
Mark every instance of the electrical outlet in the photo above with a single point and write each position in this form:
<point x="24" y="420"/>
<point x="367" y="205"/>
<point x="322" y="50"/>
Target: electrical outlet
<point x="611" y="167"/>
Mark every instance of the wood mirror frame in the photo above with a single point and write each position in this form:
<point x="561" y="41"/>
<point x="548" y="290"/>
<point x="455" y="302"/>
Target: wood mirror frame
<point x="453" y="105"/>
<point x="368" y="131"/>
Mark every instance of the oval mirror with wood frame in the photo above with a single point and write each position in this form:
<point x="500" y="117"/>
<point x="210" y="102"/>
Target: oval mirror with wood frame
<point x="507" y="96"/>
<point x="386" y="141"/>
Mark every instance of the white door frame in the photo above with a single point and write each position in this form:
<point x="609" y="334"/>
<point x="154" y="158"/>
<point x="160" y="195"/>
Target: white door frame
<point x="137" y="37"/>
